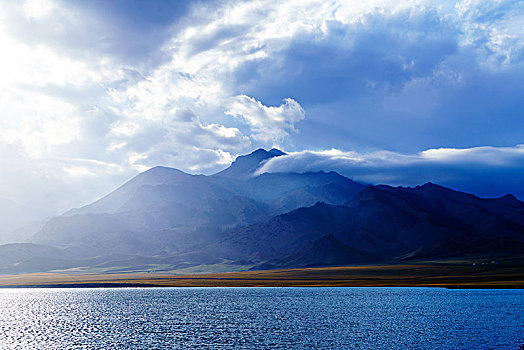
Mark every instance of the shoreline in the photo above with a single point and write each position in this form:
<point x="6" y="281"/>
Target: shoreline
<point x="439" y="275"/>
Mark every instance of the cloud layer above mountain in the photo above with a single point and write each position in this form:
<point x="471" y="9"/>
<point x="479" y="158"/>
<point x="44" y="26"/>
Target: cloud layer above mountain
<point x="485" y="171"/>
<point x="93" y="92"/>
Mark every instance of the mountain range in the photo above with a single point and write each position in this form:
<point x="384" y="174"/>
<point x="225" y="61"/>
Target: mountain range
<point x="168" y="220"/>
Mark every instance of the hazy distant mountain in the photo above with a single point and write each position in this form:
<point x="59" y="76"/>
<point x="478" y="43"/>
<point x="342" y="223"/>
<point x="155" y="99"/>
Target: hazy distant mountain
<point x="165" y="219"/>
<point x="26" y="257"/>
<point x="18" y="222"/>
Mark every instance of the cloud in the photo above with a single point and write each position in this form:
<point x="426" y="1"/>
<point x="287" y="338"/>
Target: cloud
<point x="268" y="123"/>
<point x="485" y="171"/>
<point x="71" y="90"/>
<point x="57" y="183"/>
<point x="193" y="84"/>
<point x="394" y="75"/>
<point x="492" y="29"/>
<point x="485" y="156"/>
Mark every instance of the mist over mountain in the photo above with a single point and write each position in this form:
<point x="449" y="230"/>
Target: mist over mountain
<point x="165" y="220"/>
<point x="18" y="222"/>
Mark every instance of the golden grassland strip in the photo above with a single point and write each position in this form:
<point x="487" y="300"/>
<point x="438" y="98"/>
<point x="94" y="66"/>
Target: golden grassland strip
<point x="406" y="275"/>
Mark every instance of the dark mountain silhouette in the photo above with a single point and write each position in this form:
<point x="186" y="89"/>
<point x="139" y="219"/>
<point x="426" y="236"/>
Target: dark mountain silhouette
<point x="324" y="251"/>
<point x="390" y="224"/>
<point x="165" y="219"/>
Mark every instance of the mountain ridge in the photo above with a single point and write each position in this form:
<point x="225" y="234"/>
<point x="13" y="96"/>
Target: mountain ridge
<point x="165" y="219"/>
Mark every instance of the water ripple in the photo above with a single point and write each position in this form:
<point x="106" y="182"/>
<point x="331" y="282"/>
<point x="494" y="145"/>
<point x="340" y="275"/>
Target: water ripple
<point x="261" y="318"/>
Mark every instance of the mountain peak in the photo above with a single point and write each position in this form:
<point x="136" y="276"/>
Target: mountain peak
<point x="245" y="166"/>
<point x="432" y="185"/>
<point x="510" y="199"/>
<point x="255" y="152"/>
<point x="155" y="176"/>
<point x="276" y="152"/>
<point x="163" y="169"/>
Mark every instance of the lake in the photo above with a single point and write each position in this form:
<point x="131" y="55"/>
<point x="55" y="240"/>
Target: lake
<point x="261" y="318"/>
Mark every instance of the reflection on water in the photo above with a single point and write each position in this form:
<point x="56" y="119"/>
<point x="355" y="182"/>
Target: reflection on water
<point x="261" y="318"/>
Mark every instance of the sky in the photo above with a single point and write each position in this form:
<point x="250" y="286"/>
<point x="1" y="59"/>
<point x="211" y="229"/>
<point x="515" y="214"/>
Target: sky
<point x="396" y="92"/>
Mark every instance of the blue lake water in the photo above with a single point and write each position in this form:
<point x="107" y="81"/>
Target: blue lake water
<point x="261" y="318"/>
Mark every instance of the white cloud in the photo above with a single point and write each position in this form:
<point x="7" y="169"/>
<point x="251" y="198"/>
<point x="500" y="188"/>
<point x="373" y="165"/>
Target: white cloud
<point x="128" y="129"/>
<point x="487" y="156"/>
<point x="35" y="9"/>
<point x="334" y="159"/>
<point x="482" y="170"/>
<point x="493" y="29"/>
<point x="268" y="123"/>
<point x="36" y="123"/>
